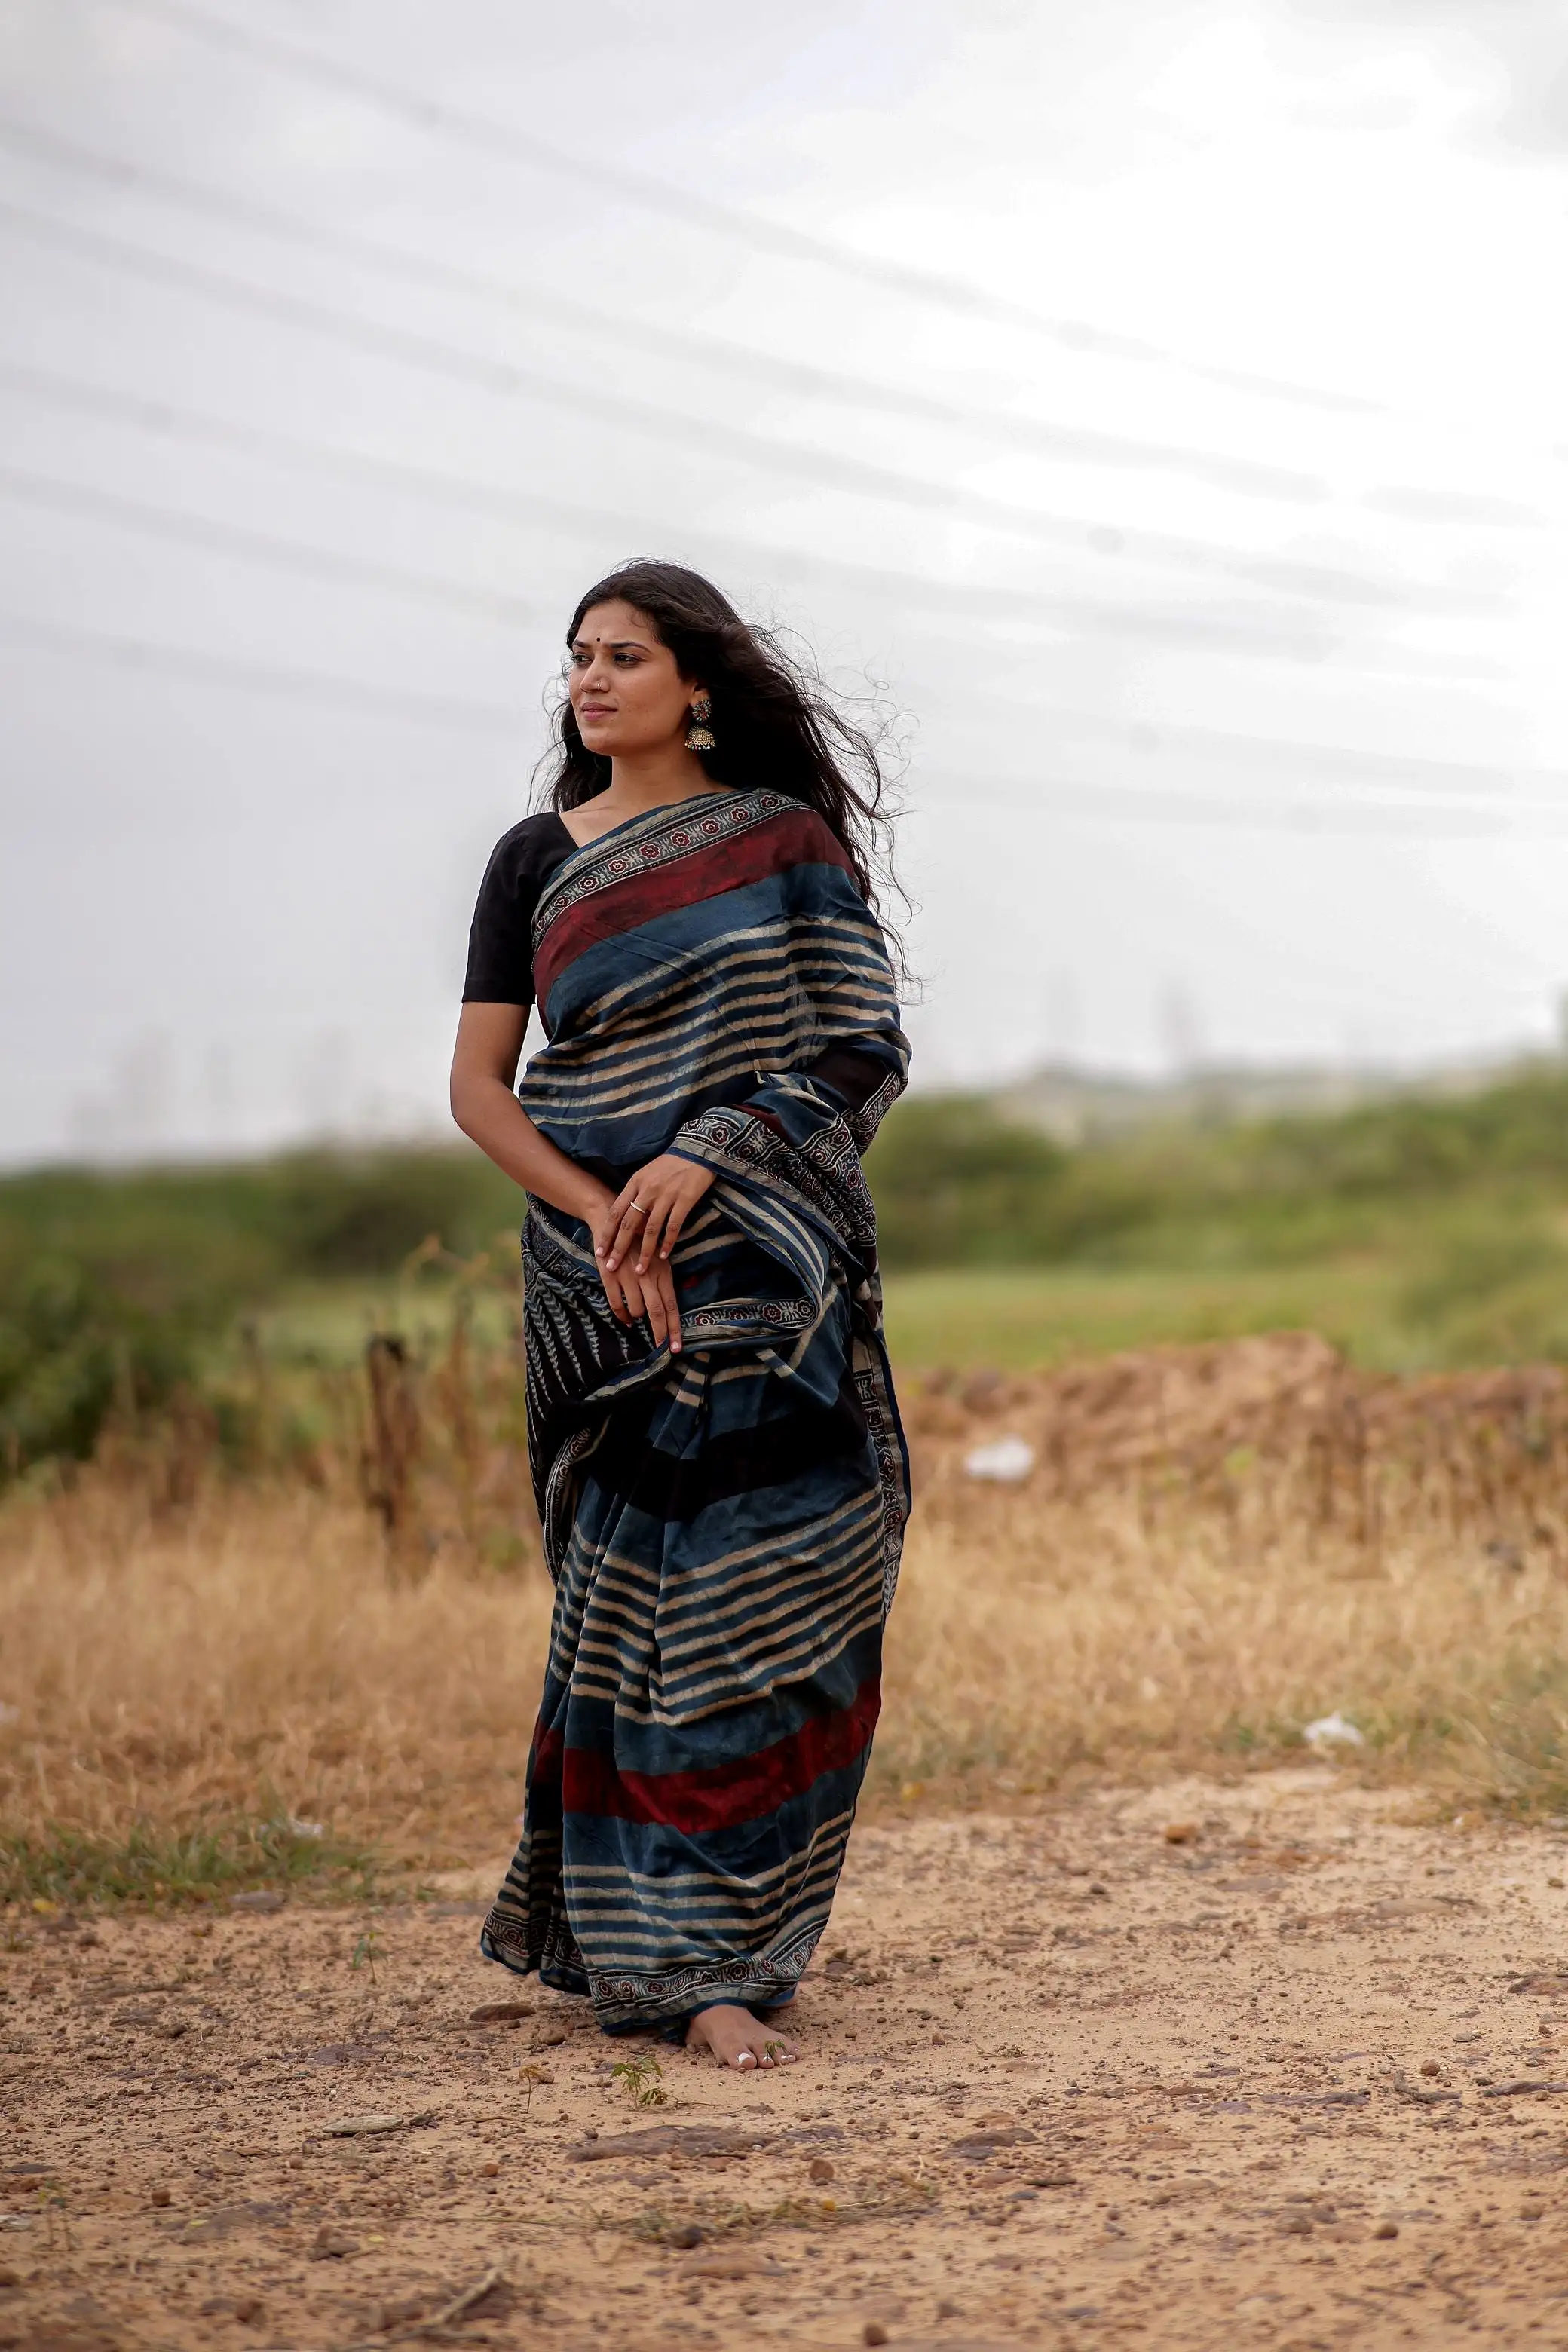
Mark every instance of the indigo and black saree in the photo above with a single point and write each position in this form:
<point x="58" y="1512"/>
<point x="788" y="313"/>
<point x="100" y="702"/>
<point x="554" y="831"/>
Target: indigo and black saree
<point x="724" y="1526"/>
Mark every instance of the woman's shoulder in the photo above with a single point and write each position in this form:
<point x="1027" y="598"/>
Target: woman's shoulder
<point x="528" y="852"/>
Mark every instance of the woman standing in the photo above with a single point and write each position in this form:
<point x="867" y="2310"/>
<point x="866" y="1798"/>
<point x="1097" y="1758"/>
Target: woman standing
<point x="716" y="1450"/>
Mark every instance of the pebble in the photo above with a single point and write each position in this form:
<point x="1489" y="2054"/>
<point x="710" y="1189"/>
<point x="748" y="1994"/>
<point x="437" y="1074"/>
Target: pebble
<point x="1386" y="2230"/>
<point x="873" y="2332"/>
<point x="160" y="2197"/>
<point x="1181" y="1832"/>
<point x="9" y="2277"/>
<point x="741" y="2264"/>
<point x="500" y="2012"/>
<point x="687" y="2236"/>
<point x="820" y="2169"/>
<point x="264" y="1898"/>
<point x="333" y="2245"/>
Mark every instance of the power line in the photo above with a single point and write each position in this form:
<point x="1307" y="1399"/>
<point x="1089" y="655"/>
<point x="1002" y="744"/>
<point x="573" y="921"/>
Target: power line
<point x="1129" y="804"/>
<point x="508" y="379"/>
<point x="911" y="591"/>
<point x="1392" y="769"/>
<point x="269" y="548"/>
<point x="1114" y="802"/>
<point x="274" y="679"/>
<point x="464" y="126"/>
<point x="242" y="542"/>
<point x="687" y="345"/>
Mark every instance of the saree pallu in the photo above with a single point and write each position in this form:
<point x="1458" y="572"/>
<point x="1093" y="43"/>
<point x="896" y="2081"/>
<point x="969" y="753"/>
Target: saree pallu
<point x="723" y="1526"/>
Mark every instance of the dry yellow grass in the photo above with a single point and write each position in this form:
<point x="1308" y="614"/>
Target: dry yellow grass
<point x="206" y="1657"/>
<point x="254" y="1660"/>
<point x="1038" y="1637"/>
<point x="250" y="1658"/>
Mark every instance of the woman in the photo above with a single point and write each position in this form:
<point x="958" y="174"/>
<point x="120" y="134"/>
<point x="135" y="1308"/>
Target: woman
<point x="722" y="1477"/>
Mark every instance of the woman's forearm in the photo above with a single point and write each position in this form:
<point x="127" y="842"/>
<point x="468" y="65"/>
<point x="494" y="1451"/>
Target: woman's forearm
<point x="486" y="1111"/>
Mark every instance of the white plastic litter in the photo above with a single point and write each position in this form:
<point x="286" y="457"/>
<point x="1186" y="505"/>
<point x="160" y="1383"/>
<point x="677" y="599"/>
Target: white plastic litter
<point x="1005" y="1460"/>
<point x="300" y="1829"/>
<point x="1330" y="1729"/>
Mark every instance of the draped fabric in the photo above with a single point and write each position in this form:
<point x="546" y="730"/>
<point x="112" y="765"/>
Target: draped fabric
<point x="723" y="1526"/>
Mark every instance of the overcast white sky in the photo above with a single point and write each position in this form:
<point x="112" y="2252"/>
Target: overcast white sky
<point x="1163" y="404"/>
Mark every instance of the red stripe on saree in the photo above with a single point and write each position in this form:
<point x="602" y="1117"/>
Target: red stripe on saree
<point x="797" y="837"/>
<point x="724" y="1795"/>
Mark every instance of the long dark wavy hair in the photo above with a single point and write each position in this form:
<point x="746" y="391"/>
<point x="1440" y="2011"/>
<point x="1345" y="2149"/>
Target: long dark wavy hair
<point x="774" y="721"/>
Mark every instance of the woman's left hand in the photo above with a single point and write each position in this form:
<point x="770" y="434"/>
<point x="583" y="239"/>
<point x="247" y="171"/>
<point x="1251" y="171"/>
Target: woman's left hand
<point x="646" y="1215"/>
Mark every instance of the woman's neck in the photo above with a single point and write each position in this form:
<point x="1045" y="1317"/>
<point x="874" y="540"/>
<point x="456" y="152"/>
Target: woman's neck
<point x="653" y="780"/>
<point x="636" y="786"/>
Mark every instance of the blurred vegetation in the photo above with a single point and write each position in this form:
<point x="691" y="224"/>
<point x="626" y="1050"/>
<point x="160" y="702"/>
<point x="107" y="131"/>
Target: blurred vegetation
<point x="117" y="1288"/>
<point x="1417" y="1233"/>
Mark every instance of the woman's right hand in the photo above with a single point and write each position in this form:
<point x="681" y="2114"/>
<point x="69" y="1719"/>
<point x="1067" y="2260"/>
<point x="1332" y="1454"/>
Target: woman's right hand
<point x="631" y="1294"/>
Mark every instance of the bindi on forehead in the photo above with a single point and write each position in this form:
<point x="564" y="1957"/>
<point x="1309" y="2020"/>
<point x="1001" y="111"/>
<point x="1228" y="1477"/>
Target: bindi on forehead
<point x="617" y="635"/>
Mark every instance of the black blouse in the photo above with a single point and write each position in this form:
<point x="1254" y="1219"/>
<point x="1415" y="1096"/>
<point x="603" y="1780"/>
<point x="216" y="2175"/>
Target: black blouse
<point x="500" y="937"/>
<point x="501" y="943"/>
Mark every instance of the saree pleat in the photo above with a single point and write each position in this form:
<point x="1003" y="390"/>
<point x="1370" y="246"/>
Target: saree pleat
<point x="724" y="1525"/>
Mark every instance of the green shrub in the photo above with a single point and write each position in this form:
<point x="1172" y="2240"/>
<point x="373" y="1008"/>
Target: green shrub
<point x="110" y="1283"/>
<point x="70" y="1345"/>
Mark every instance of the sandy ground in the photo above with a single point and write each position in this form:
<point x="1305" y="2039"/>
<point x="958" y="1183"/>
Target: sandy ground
<point x="1293" y="2080"/>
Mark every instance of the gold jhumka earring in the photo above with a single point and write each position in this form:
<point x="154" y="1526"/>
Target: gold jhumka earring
<point x="699" y="737"/>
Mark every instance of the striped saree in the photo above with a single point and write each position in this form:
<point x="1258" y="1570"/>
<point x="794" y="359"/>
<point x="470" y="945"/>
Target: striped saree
<point x="724" y="1526"/>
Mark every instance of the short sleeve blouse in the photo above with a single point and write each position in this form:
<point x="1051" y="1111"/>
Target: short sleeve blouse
<point x="500" y="938"/>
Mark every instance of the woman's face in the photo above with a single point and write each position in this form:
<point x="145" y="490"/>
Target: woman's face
<point x="626" y="693"/>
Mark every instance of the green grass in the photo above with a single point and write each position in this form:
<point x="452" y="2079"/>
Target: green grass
<point x="67" y="1868"/>
<point x="328" y="1323"/>
<point x="1031" y="1317"/>
<point x="1390" y="1311"/>
<point x="1417" y="1234"/>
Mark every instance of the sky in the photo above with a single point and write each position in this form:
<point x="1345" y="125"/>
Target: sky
<point x="1154" y="416"/>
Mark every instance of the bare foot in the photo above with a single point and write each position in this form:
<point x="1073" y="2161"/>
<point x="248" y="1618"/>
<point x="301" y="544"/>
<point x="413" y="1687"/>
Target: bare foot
<point x="736" y="2038"/>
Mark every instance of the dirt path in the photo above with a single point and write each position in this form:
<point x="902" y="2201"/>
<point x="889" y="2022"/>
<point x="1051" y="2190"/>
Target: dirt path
<point x="1300" y="2079"/>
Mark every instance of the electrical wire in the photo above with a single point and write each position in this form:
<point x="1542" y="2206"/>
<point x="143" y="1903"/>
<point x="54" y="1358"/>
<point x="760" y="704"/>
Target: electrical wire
<point x="1132" y="805"/>
<point x="1053" y="798"/>
<point x="269" y="548"/>
<point x="687" y="345"/>
<point x="273" y="678"/>
<point x="910" y="591"/>
<point x="272" y="549"/>
<point x="464" y="126"/>
<point x="508" y="379"/>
